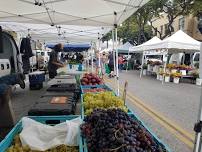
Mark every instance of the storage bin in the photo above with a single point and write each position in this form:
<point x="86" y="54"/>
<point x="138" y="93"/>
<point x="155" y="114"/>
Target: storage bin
<point x="44" y="107"/>
<point x="50" y="120"/>
<point x="155" y="138"/>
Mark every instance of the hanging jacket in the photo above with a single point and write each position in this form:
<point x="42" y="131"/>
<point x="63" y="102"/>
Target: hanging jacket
<point x="25" y="48"/>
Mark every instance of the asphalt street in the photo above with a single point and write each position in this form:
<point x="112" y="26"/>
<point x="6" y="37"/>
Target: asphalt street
<point x="178" y="103"/>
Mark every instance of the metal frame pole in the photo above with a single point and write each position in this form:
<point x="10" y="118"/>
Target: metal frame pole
<point x="198" y="126"/>
<point x="164" y="68"/>
<point x="113" y="51"/>
<point x="142" y="65"/>
<point x="117" y="69"/>
<point x="99" y="57"/>
<point x="127" y="61"/>
<point x="91" y="60"/>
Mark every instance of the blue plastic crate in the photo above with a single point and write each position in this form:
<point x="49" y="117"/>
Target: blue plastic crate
<point x="83" y="87"/>
<point x="51" y="120"/>
<point x="155" y="138"/>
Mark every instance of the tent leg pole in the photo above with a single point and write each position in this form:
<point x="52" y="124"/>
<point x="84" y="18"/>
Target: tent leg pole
<point x="164" y="68"/>
<point x="117" y="70"/>
<point x="127" y="62"/>
<point x="99" y="60"/>
<point x="113" y="51"/>
<point x="198" y="136"/>
<point x="142" y="65"/>
<point x="92" y="61"/>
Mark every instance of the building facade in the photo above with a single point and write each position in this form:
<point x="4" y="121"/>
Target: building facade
<point x="188" y="24"/>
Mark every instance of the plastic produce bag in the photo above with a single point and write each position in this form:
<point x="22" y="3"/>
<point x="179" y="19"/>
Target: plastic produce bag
<point x="42" y="137"/>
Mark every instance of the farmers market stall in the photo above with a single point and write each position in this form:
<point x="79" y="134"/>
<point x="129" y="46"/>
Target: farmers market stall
<point x="177" y="43"/>
<point x="142" y="49"/>
<point x="98" y="102"/>
<point x="61" y="133"/>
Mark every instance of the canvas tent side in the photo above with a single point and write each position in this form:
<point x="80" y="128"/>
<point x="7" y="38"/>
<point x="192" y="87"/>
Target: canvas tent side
<point x="178" y="42"/>
<point x="125" y="47"/>
<point x="143" y="47"/>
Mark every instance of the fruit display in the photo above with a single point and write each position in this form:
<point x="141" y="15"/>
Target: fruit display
<point x="102" y="100"/>
<point x="113" y="130"/>
<point x="17" y="147"/>
<point x="94" y="90"/>
<point x="91" y="79"/>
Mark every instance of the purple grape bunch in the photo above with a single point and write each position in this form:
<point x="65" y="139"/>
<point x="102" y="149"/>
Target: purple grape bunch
<point x="113" y="130"/>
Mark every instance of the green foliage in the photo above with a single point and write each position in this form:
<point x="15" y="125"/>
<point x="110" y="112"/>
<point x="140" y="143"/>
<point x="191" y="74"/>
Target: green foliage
<point x="196" y="7"/>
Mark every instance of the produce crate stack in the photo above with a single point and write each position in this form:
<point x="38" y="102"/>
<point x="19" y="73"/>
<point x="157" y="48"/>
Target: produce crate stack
<point x="108" y="123"/>
<point x="91" y="79"/>
<point x="107" y="118"/>
<point x="12" y="143"/>
<point x="54" y="105"/>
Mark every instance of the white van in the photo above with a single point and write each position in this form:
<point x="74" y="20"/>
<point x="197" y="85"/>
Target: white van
<point x="182" y="58"/>
<point x="5" y="67"/>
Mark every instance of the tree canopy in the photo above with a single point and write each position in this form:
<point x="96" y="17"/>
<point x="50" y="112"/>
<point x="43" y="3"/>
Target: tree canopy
<point x="138" y="28"/>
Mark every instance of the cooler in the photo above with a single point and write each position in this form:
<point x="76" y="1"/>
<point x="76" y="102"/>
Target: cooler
<point x="36" y="80"/>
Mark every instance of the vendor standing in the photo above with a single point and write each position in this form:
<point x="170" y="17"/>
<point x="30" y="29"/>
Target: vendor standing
<point x="54" y="62"/>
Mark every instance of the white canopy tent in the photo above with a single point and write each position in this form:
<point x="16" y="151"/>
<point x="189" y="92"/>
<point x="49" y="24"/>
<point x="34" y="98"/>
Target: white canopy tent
<point x="142" y="49"/>
<point x="65" y="33"/>
<point x="100" y="13"/>
<point x="144" y="46"/>
<point x="68" y="12"/>
<point x="124" y="48"/>
<point x="178" y="42"/>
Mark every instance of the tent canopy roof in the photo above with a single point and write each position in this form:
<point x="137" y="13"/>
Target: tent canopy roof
<point x="143" y="47"/>
<point x="64" y="33"/>
<point x="178" y="42"/>
<point x="72" y="47"/>
<point x="125" y="47"/>
<point x="69" y="12"/>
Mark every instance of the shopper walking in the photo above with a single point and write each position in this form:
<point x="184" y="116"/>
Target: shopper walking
<point x="111" y="64"/>
<point x="120" y="62"/>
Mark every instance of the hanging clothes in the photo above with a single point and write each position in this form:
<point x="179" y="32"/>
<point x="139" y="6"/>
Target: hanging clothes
<point x="25" y="48"/>
<point x="26" y="51"/>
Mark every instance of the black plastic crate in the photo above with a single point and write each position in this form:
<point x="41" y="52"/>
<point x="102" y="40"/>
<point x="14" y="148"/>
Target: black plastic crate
<point x="43" y="107"/>
<point x="63" y="87"/>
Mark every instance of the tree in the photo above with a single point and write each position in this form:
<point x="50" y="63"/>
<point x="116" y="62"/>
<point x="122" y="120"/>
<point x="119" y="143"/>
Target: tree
<point x="196" y="8"/>
<point x="173" y="9"/>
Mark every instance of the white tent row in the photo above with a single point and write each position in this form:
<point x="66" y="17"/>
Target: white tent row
<point x="69" y="12"/>
<point x="144" y="46"/>
<point x="64" y="33"/>
<point x="125" y="47"/>
<point x="177" y="43"/>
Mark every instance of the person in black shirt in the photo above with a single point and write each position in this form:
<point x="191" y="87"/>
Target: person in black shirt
<point x="54" y="63"/>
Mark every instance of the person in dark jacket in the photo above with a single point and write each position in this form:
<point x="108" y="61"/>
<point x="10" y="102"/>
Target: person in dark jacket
<point x="54" y="62"/>
<point x="26" y="51"/>
<point x="111" y="64"/>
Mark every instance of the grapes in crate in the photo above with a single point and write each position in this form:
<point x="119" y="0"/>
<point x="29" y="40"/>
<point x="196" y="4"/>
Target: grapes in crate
<point x="113" y="130"/>
<point x="94" y="90"/>
<point x="102" y="100"/>
<point x="91" y="79"/>
<point x="17" y="147"/>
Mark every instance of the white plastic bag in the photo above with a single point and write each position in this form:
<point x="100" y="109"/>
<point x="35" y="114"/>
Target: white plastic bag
<point x="43" y="137"/>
